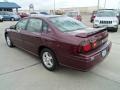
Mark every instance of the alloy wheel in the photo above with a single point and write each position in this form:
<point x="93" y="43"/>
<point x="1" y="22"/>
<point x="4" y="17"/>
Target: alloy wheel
<point x="47" y="59"/>
<point x="8" y="41"/>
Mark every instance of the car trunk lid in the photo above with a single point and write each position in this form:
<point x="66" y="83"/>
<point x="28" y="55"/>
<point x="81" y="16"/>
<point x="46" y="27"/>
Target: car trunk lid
<point x="94" y="37"/>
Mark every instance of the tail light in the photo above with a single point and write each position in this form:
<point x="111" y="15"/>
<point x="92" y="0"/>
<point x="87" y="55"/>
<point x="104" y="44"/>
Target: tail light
<point x="94" y="44"/>
<point x="85" y="46"/>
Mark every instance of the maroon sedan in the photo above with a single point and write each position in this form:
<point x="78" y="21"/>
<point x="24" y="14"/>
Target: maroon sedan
<point x="60" y="40"/>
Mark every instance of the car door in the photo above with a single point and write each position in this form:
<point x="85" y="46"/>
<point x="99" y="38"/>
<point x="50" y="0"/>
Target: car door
<point x="16" y="33"/>
<point x="32" y="35"/>
<point x="6" y="16"/>
<point x="2" y="14"/>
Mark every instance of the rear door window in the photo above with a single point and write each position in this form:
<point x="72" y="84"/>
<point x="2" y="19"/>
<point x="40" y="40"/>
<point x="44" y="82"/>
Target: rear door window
<point x="34" y="25"/>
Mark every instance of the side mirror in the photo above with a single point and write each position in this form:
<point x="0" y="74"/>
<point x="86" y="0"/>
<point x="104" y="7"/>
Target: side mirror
<point x="13" y="27"/>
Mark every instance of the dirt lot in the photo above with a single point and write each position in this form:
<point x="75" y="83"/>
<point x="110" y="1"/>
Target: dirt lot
<point x="21" y="71"/>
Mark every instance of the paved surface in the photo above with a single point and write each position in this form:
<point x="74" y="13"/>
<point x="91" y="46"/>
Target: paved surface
<point x="21" y="71"/>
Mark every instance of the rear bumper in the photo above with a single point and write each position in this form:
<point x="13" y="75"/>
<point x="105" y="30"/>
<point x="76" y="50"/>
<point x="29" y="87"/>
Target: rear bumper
<point x="86" y="62"/>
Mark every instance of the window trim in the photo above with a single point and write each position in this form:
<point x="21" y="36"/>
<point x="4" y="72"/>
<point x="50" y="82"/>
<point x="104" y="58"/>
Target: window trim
<point x="43" y="21"/>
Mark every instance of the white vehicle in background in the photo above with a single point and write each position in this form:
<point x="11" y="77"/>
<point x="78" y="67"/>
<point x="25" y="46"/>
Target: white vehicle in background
<point x="74" y="14"/>
<point x="106" y="18"/>
<point x="1" y="18"/>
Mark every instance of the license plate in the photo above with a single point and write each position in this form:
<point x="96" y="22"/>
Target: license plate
<point x="104" y="52"/>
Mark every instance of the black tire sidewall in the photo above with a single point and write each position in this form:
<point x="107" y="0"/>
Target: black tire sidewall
<point x="91" y="21"/>
<point x="116" y="29"/>
<point x="54" y="59"/>
<point x="1" y="20"/>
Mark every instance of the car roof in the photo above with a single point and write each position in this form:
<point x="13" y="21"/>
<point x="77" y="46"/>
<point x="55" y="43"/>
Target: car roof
<point x="44" y="16"/>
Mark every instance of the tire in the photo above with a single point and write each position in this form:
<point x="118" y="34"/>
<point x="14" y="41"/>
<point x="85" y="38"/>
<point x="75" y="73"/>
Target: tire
<point x="12" y="19"/>
<point x="1" y="20"/>
<point x="94" y="26"/>
<point x="48" y="59"/>
<point x="91" y="21"/>
<point x="116" y="29"/>
<point x="8" y="41"/>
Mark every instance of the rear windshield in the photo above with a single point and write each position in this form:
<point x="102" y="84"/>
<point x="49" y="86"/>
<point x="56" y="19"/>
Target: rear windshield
<point x="67" y="24"/>
<point x="106" y="14"/>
